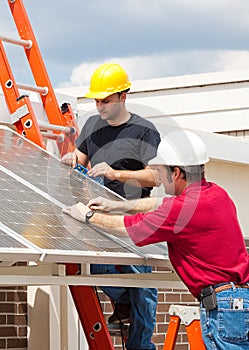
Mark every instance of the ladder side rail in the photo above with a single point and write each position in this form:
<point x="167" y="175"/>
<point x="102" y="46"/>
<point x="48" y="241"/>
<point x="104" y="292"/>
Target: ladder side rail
<point x="35" y="60"/>
<point x="90" y="314"/>
<point x="20" y="106"/>
<point x="171" y="335"/>
<point x="69" y="143"/>
<point x="54" y="114"/>
<point x="91" y="317"/>
<point x="9" y="86"/>
<point x="195" y="336"/>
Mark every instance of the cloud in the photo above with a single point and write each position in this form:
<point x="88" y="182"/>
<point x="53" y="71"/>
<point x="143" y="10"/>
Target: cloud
<point x="162" y="34"/>
<point x="230" y="60"/>
<point x="167" y="64"/>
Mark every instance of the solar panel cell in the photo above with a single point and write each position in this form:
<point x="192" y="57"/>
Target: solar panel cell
<point x="35" y="186"/>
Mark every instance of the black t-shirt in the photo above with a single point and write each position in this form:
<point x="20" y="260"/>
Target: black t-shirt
<point x="128" y="146"/>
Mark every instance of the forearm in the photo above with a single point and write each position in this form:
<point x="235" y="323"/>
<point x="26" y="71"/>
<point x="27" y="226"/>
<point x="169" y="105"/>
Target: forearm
<point x="112" y="223"/>
<point x="132" y="206"/>
<point x="144" y="177"/>
<point x="80" y="158"/>
<point x="141" y="205"/>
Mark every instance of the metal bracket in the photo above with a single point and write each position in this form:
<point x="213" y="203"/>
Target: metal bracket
<point x="186" y="313"/>
<point x="19" y="113"/>
<point x="34" y="270"/>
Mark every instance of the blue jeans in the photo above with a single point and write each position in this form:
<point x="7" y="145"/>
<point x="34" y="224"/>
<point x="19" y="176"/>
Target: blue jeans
<point x="143" y="305"/>
<point x="227" y="328"/>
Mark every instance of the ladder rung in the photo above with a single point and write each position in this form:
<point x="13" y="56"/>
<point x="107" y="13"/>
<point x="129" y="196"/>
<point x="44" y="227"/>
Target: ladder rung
<point x="58" y="137"/>
<point x="64" y="129"/>
<point x="25" y="43"/>
<point x="40" y="89"/>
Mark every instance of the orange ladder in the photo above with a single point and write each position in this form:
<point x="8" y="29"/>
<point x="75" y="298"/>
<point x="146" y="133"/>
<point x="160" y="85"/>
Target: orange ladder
<point x="61" y="120"/>
<point x="190" y="316"/>
<point x="90" y="314"/>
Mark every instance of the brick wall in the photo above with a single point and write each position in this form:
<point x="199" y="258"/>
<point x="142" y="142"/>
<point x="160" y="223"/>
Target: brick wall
<point x="13" y="318"/>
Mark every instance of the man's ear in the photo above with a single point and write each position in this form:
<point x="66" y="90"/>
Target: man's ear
<point x="123" y="96"/>
<point x="176" y="173"/>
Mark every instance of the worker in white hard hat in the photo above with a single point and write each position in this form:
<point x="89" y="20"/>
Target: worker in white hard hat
<point x="200" y="225"/>
<point x="118" y="145"/>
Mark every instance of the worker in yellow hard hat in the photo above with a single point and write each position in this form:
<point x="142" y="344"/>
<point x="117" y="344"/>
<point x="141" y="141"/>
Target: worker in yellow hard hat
<point x="118" y="144"/>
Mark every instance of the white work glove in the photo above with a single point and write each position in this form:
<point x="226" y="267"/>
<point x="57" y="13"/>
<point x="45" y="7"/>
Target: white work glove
<point x="77" y="211"/>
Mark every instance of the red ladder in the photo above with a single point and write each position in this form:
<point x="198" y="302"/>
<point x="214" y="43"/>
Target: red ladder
<point x="21" y="110"/>
<point x="90" y="314"/>
<point x="62" y="119"/>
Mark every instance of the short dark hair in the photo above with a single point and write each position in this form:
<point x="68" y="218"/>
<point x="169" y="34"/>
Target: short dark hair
<point x="191" y="173"/>
<point x="126" y="91"/>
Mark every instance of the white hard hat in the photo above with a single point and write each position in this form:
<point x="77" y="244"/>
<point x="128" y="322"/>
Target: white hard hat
<point x="182" y="148"/>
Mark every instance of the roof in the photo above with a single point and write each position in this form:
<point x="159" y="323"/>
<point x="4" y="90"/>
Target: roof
<point x="176" y="82"/>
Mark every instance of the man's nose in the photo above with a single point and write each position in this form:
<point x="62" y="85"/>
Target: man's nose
<point x="100" y="107"/>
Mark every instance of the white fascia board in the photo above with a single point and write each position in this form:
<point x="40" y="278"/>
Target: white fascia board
<point x="193" y="80"/>
<point x="226" y="148"/>
<point x="219" y="147"/>
<point x="176" y="82"/>
<point x="66" y="98"/>
<point x="225" y="121"/>
<point x="74" y="91"/>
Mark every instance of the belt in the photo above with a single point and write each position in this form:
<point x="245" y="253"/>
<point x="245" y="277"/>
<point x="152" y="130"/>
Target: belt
<point x="220" y="287"/>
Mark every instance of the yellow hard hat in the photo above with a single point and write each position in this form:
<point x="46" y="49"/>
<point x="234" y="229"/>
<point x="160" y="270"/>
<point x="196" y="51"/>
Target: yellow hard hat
<point x="108" y="79"/>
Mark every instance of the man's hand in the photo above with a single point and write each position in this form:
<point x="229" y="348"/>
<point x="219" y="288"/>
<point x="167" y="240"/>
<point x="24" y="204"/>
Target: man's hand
<point x="113" y="223"/>
<point x="77" y="211"/>
<point x="102" y="169"/>
<point x="69" y="159"/>
<point x="102" y="204"/>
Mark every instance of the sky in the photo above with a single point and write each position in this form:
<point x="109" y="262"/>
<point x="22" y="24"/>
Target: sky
<point x="149" y="38"/>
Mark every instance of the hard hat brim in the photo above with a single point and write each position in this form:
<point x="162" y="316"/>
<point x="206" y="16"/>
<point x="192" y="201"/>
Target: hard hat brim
<point x="98" y="95"/>
<point x="180" y="148"/>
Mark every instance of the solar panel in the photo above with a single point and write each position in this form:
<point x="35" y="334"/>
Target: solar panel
<point x="14" y="248"/>
<point x="35" y="186"/>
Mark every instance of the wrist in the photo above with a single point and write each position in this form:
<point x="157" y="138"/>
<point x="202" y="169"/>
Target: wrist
<point x="116" y="175"/>
<point x="111" y="174"/>
<point x="88" y="216"/>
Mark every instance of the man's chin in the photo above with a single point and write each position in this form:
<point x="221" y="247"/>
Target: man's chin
<point x="104" y="116"/>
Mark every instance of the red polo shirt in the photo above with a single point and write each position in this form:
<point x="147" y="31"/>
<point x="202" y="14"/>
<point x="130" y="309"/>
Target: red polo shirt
<point x="205" y="242"/>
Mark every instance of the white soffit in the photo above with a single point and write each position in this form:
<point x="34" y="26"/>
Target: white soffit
<point x="226" y="148"/>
